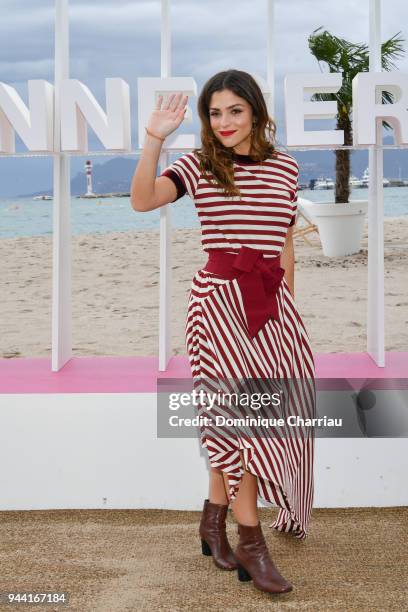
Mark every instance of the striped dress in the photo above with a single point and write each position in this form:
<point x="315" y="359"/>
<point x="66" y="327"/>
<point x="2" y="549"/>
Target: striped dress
<point x="217" y="338"/>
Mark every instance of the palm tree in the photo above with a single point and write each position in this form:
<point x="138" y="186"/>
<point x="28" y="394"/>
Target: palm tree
<point x="349" y="58"/>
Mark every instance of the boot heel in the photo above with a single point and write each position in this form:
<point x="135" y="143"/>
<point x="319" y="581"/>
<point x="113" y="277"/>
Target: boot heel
<point x="206" y="550"/>
<point x="243" y="575"/>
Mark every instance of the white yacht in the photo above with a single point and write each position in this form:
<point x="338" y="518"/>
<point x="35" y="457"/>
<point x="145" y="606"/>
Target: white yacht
<point x="324" y="183"/>
<point x="366" y="178"/>
<point x="355" y="182"/>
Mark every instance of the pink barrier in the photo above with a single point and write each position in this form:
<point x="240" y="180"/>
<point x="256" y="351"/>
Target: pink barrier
<point x="139" y="374"/>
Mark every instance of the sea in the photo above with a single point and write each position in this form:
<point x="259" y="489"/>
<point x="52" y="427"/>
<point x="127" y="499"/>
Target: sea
<point x="27" y="217"/>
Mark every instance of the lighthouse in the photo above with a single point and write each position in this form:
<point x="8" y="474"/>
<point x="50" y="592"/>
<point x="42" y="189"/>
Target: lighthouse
<point x="88" y="170"/>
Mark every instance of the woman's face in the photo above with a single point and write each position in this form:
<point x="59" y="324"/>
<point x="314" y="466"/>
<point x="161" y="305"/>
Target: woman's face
<point x="231" y="120"/>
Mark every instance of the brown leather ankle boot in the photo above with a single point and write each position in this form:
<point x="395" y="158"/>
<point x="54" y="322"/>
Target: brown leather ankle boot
<point x="213" y="535"/>
<point x="254" y="562"/>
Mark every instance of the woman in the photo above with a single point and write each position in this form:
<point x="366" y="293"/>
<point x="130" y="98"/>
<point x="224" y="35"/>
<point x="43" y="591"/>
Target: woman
<point x="242" y="319"/>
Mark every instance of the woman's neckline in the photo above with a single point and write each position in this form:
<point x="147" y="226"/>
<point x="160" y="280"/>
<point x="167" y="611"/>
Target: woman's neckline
<point x="244" y="159"/>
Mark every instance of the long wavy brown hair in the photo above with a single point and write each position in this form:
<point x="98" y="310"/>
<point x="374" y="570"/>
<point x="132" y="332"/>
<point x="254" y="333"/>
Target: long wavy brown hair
<point x="214" y="157"/>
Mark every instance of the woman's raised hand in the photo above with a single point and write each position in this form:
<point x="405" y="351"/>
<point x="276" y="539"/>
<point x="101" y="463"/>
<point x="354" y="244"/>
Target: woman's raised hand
<point x="166" y="118"/>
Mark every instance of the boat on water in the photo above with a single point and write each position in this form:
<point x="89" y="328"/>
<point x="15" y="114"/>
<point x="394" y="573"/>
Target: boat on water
<point x="324" y="183"/>
<point x="366" y="179"/>
<point x="355" y="182"/>
<point x="93" y="196"/>
<point x="43" y="197"/>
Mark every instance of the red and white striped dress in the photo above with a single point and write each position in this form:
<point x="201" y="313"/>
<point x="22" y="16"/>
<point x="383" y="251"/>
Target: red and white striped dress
<point x="217" y="338"/>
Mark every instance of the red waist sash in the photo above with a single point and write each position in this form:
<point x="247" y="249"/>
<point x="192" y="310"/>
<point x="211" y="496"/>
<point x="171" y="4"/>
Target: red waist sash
<point x="258" y="279"/>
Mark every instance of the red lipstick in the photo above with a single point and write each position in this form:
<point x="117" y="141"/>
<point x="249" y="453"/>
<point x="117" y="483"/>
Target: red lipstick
<point x="228" y="133"/>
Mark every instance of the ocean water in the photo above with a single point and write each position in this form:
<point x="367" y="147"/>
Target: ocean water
<point x="28" y="217"/>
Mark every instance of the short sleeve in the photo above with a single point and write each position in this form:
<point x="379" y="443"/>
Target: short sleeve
<point x="295" y="198"/>
<point x="184" y="173"/>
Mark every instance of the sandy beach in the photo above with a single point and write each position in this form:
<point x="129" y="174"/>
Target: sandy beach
<point x="115" y="299"/>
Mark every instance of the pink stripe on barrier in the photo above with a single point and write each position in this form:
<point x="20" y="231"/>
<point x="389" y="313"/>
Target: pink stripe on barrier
<point x="360" y="365"/>
<point x="139" y="374"/>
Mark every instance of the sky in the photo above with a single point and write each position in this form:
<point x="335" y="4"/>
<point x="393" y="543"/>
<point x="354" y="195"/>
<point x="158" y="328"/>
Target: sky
<point x="121" y="38"/>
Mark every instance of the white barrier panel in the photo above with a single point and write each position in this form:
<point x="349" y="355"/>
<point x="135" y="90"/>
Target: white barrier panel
<point x="101" y="451"/>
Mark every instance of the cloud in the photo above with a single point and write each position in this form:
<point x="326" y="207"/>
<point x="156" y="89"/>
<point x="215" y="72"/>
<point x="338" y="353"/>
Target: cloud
<point x="121" y="36"/>
<point x="19" y="70"/>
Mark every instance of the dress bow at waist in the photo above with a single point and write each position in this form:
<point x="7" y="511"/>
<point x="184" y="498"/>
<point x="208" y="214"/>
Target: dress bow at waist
<point x="258" y="279"/>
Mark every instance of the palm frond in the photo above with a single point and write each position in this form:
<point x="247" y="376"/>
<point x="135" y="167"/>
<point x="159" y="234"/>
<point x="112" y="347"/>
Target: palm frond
<point x="349" y="58"/>
<point x="392" y="49"/>
<point x="340" y="55"/>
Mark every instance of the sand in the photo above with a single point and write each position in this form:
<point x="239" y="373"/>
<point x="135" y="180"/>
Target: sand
<point x="115" y="292"/>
